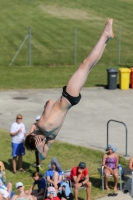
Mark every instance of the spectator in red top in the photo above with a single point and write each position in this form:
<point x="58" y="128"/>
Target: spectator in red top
<point x="80" y="177"/>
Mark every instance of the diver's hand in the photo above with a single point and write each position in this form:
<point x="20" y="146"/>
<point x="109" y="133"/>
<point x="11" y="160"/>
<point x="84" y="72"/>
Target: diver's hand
<point x="39" y="144"/>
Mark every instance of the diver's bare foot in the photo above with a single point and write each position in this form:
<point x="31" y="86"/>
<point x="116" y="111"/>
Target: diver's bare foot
<point x="107" y="188"/>
<point x="108" y="29"/>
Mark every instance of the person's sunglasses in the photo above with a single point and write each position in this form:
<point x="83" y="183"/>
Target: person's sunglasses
<point x="63" y="186"/>
<point x="51" y="192"/>
<point x="19" y="187"/>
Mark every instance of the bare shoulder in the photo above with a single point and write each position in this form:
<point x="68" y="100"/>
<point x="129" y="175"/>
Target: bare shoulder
<point x="30" y="197"/>
<point x="116" y="155"/>
<point x="105" y="155"/>
<point x="14" y="197"/>
<point x="33" y="125"/>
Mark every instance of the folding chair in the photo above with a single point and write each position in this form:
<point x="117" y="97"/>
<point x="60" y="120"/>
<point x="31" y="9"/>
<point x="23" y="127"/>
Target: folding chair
<point x="128" y="186"/>
<point x="66" y="178"/>
<point x="101" y="172"/>
<point x="45" y="190"/>
<point x="132" y="186"/>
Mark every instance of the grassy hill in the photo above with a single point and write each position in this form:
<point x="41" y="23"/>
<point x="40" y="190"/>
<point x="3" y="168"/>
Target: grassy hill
<point x="56" y="25"/>
<point x="62" y="35"/>
<point x="68" y="156"/>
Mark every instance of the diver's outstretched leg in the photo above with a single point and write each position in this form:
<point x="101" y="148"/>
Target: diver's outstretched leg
<point x="78" y="79"/>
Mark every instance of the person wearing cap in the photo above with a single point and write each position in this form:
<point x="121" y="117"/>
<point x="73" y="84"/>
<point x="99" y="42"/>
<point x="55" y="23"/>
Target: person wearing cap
<point x="34" y="126"/>
<point x="18" y="134"/>
<point x="21" y="193"/>
<point x="79" y="176"/>
<point x="110" y="162"/>
<point x="33" y="129"/>
<point x="51" y="194"/>
<point x="54" y="113"/>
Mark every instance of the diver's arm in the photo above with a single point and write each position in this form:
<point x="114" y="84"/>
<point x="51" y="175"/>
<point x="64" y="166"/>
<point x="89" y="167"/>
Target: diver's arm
<point x="43" y="147"/>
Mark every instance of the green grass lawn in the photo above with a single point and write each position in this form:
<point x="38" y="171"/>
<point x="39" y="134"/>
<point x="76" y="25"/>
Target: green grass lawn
<point x="56" y="25"/>
<point x="58" y="28"/>
<point x="48" y="77"/>
<point x="68" y="155"/>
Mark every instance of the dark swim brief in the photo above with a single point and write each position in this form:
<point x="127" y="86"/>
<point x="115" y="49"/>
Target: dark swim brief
<point x="48" y="135"/>
<point x="72" y="100"/>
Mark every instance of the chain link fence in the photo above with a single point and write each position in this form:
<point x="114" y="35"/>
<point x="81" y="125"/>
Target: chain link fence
<point x="31" y="47"/>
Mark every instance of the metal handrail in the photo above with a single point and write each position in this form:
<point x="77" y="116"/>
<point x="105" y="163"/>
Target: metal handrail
<point x="125" y="128"/>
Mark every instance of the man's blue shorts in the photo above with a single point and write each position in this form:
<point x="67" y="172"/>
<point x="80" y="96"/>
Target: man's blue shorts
<point x="18" y="149"/>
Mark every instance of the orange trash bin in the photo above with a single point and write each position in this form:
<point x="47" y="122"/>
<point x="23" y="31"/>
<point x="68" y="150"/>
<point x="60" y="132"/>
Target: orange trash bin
<point x="131" y="78"/>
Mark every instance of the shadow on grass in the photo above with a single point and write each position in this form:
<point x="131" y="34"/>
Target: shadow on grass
<point x="102" y="85"/>
<point x="106" y="86"/>
<point x="8" y="165"/>
<point x="97" y="182"/>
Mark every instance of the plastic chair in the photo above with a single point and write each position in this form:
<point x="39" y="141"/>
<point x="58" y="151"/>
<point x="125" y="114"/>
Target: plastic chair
<point x="101" y="172"/>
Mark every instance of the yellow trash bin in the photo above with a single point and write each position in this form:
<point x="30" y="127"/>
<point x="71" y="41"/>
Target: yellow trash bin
<point x="124" y="78"/>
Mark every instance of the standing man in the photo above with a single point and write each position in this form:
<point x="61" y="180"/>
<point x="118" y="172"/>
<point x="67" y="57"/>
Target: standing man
<point x="80" y="177"/>
<point x="18" y="134"/>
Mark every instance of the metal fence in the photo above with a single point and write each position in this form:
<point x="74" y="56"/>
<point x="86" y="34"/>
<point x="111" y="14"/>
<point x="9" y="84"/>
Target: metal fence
<point x="29" y="51"/>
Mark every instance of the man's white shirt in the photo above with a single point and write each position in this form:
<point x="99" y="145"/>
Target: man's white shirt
<point x="19" y="138"/>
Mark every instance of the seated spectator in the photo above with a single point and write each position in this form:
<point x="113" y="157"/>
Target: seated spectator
<point x="5" y="190"/>
<point x="21" y="193"/>
<point x="110" y="162"/>
<point x="41" y="183"/>
<point x="65" y="192"/>
<point x="80" y="177"/>
<point x="54" y="173"/>
<point x="51" y="194"/>
<point x="2" y="172"/>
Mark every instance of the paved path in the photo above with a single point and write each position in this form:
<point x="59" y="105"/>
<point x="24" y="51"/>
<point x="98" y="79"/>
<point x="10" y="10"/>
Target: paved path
<point x="120" y="196"/>
<point x="85" y="124"/>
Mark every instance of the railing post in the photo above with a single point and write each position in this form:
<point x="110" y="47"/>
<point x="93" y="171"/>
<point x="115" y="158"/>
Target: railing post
<point x="29" y="46"/>
<point x="75" y="45"/>
<point x="126" y="133"/>
<point x="119" y="46"/>
<point x="37" y="160"/>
